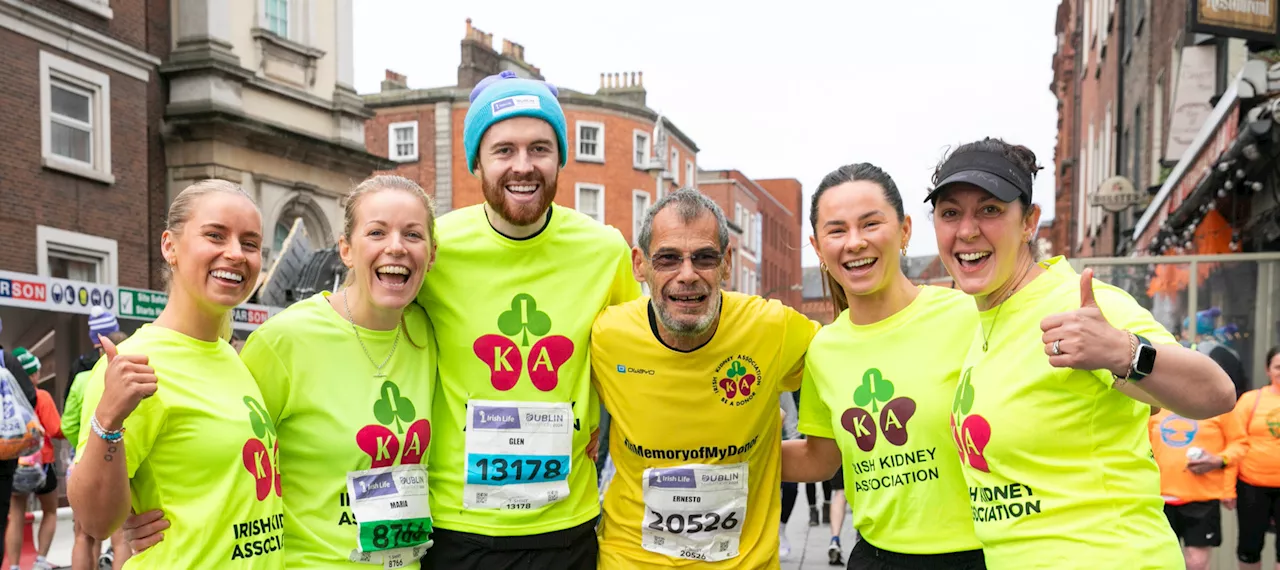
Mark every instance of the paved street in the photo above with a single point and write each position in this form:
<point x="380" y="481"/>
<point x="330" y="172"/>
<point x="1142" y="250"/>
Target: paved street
<point x="809" y="543"/>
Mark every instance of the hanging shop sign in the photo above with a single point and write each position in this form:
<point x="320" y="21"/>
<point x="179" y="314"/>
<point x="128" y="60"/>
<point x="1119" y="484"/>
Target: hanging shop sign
<point x="1115" y="194"/>
<point x="1249" y="19"/>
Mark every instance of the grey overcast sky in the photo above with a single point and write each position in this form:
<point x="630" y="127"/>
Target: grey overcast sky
<point x="788" y="89"/>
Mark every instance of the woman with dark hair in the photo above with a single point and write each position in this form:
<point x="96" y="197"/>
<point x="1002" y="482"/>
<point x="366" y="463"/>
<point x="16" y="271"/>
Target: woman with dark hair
<point x="878" y="382"/>
<point x="1258" y="477"/>
<point x="1050" y="414"/>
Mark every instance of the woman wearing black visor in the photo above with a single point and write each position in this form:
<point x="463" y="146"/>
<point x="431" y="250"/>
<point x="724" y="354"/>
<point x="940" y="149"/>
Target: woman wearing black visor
<point x="1050" y="415"/>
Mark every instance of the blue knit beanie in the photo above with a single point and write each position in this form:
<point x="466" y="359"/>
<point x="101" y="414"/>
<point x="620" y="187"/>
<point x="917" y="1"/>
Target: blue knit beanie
<point x="101" y="323"/>
<point x="504" y="96"/>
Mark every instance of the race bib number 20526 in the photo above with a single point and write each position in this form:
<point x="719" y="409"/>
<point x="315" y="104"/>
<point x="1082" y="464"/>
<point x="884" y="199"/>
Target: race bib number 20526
<point x="695" y="511"/>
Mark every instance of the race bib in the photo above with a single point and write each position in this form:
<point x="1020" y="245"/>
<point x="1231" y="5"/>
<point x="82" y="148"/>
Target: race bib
<point x="518" y="454"/>
<point x="695" y="511"/>
<point x="393" y="516"/>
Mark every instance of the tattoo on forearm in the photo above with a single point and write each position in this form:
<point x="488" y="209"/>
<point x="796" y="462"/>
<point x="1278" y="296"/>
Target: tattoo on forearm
<point x="111" y="449"/>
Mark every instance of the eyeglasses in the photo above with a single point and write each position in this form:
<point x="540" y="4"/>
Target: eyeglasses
<point x="702" y="260"/>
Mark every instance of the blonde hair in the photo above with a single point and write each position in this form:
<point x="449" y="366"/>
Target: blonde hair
<point x="378" y="183"/>
<point x="180" y="212"/>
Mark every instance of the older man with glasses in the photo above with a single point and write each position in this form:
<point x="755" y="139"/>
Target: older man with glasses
<point x="691" y="376"/>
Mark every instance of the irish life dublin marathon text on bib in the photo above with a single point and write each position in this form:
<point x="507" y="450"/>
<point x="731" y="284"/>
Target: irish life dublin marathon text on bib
<point x="518" y="454"/>
<point x="695" y="511"/>
<point x="392" y="513"/>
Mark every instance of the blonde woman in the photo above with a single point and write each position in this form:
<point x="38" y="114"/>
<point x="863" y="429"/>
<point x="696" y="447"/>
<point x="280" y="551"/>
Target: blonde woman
<point x="168" y="407"/>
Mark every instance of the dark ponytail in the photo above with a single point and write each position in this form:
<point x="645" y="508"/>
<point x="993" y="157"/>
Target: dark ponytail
<point x="843" y="175"/>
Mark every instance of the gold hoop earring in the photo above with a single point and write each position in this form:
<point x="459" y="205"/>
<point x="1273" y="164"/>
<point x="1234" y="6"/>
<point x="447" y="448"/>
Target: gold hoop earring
<point x="904" y="251"/>
<point x="822" y="265"/>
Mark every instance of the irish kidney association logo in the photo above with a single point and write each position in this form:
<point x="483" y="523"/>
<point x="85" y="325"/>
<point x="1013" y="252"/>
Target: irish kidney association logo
<point x="505" y="360"/>
<point x="876" y="392"/>
<point x="410" y="437"/>
<point x="971" y="432"/>
<point x="735" y="380"/>
<point x="257" y="461"/>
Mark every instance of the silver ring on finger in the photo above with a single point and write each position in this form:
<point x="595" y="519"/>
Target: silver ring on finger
<point x="1057" y="348"/>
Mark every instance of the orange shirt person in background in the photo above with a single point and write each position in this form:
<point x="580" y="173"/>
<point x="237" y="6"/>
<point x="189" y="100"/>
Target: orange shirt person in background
<point x="1198" y="462"/>
<point x="1259" y="477"/>
<point x="47" y="413"/>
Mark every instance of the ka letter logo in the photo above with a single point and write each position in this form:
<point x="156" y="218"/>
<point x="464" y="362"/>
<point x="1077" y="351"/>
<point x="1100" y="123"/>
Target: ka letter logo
<point x="971" y="432"/>
<point x="254" y="454"/>
<point x="894" y="414"/>
<point x="506" y="361"/>
<point x="382" y="444"/>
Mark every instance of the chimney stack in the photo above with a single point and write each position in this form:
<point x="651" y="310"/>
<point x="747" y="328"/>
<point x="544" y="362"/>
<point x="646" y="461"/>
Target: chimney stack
<point x="476" y="35"/>
<point x="394" y="82"/>
<point x="627" y="86"/>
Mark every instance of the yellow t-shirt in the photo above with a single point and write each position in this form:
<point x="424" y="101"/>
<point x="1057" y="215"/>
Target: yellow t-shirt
<point x="1058" y="463"/>
<point x="334" y="417"/>
<point x="512" y="318"/>
<point x="882" y="391"/>
<point x="203" y="451"/>
<point x="717" y="406"/>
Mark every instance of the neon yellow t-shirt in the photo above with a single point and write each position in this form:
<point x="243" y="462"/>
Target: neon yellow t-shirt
<point x="882" y="391"/>
<point x="203" y="451"/>
<point x="512" y="318"/>
<point x="1058" y="463"/>
<point x="716" y="405"/>
<point x="334" y="417"/>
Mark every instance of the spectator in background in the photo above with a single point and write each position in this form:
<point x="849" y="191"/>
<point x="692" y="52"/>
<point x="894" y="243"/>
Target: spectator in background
<point x="1198" y="461"/>
<point x="47" y="412"/>
<point x="1259" y="476"/>
<point x="10" y="363"/>
<point x="1217" y="344"/>
<point x="86" y="551"/>
<point x="101" y="322"/>
<point x="790" y="418"/>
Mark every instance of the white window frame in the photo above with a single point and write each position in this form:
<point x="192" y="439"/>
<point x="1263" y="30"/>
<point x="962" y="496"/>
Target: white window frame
<point x="638" y="220"/>
<point x="98" y="84"/>
<point x="577" y="142"/>
<point x="690" y="174"/>
<point x="392" y="151"/>
<point x="77" y="246"/>
<point x="674" y="166"/>
<point x="577" y="198"/>
<point x="288" y="18"/>
<point x="648" y="149"/>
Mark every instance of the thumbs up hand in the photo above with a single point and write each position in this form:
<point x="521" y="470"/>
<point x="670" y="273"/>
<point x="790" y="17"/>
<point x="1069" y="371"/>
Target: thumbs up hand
<point x="128" y="381"/>
<point x="1083" y="339"/>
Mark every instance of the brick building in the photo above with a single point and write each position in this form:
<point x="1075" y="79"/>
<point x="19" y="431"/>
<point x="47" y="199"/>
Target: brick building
<point x="783" y="240"/>
<point x="764" y="221"/>
<point x="1116" y="70"/>
<point x="81" y="161"/>
<point x="613" y="172"/>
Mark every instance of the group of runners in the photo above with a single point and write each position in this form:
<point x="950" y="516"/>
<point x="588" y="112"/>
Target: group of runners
<point x="441" y="409"/>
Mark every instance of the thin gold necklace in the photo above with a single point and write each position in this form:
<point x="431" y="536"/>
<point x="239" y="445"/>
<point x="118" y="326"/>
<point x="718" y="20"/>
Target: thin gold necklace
<point x="987" y="336"/>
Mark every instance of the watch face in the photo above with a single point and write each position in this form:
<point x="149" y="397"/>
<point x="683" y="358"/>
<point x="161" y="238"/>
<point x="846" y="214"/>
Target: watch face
<point x="1146" y="359"/>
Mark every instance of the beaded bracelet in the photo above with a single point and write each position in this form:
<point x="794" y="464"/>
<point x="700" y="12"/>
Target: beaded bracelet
<point x="110" y="436"/>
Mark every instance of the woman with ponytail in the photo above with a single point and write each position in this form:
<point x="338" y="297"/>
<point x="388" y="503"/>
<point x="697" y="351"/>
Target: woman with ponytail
<point x="167" y="408"/>
<point x="878" y="383"/>
<point x="349" y="378"/>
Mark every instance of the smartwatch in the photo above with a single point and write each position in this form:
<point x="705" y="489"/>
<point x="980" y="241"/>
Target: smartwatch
<point x="1144" y="360"/>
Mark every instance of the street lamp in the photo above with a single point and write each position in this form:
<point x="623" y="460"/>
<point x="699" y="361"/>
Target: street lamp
<point x="796" y="287"/>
